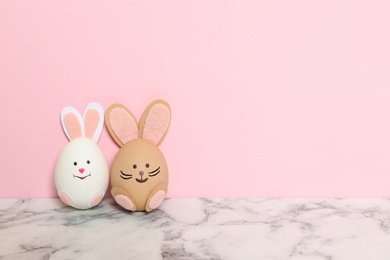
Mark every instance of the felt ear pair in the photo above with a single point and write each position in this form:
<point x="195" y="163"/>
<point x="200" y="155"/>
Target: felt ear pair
<point x="89" y="125"/>
<point x="153" y="125"/>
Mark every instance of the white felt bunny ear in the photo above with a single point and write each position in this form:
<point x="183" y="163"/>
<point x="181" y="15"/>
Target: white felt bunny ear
<point x="72" y="123"/>
<point x="89" y="125"/>
<point x="121" y="124"/>
<point x="155" y="121"/>
<point x="93" y="121"/>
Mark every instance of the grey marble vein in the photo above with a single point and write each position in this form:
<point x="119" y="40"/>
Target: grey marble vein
<point x="298" y="229"/>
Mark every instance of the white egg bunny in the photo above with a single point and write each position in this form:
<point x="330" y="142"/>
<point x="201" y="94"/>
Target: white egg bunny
<point x="82" y="173"/>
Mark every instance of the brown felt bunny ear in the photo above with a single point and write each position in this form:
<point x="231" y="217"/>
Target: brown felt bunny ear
<point x="121" y="124"/>
<point x="155" y="121"/>
<point x="153" y="126"/>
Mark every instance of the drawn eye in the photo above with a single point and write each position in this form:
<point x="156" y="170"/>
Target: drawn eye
<point x="75" y="163"/>
<point x="147" y="165"/>
<point x="134" y="166"/>
<point x="88" y="161"/>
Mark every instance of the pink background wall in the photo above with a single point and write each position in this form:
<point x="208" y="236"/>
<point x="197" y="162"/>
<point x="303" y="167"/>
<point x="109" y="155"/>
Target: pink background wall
<point x="269" y="98"/>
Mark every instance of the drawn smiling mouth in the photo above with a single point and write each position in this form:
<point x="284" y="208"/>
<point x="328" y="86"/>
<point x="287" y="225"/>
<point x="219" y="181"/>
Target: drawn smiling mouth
<point x="81" y="177"/>
<point x="142" y="180"/>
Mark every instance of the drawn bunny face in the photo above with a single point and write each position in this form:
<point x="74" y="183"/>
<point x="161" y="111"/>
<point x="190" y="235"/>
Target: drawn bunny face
<point x="81" y="173"/>
<point x="82" y="162"/>
<point x="139" y="174"/>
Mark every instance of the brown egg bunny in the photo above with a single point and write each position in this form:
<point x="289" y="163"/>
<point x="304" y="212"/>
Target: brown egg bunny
<point x="139" y="173"/>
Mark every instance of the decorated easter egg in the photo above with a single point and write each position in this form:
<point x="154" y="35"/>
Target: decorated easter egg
<point x="139" y="173"/>
<point x="82" y="172"/>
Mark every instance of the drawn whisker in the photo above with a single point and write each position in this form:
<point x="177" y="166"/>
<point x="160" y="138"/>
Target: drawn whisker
<point x="126" y="178"/>
<point x="154" y="174"/>
<point x="127" y="175"/>
<point x="154" y="170"/>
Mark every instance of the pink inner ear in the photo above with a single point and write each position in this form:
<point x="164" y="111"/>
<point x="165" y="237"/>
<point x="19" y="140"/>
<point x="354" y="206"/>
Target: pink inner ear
<point x="157" y="123"/>
<point x="91" y="122"/>
<point x="72" y="125"/>
<point x="123" y="124"/>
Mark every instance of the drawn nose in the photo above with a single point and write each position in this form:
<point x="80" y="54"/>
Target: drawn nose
<point x="141" y="173"/>
<point x="81" y="170"/>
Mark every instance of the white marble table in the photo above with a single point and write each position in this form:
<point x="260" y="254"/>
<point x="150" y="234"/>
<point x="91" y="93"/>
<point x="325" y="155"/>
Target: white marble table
<point x="337" y="229"/>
